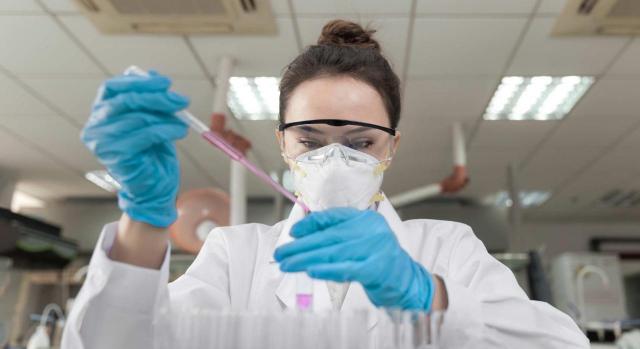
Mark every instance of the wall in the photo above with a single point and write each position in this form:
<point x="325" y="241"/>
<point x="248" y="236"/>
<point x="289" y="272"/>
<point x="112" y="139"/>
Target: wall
<point x="81" y="220"/>
<point x="7" y="186"/>
<point x="558" y="237"/>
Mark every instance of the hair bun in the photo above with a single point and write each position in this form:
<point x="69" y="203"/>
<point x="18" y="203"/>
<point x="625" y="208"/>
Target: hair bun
<point x="346" y="33"/>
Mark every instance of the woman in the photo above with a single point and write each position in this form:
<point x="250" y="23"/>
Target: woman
<point x="339" y="109"/>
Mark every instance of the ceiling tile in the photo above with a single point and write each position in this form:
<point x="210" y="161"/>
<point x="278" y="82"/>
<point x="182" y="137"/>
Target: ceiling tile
<point x="61" y="6"/>
<point x="451" y="46"/>
<point x="55" y="135"/>
<point x="166" y="54"/>
<point x="191" y="177"/>
<point x="475" y="7"/>
<point x="420" y="134"/>
<point x="590" y="134"/>
<point x="19" y="6"/>
<point x="627" y="63"/>
<point x="618" y="160"/>
<point x="584" y="192"/>
<point x="213" y="164"/>
<point x="610" y="97"/>
<point x="340" y="7"/>
<point x="391" y="33"/>
<point x="631" y="142"/>
<point x="16" y="101"/>
<point x="262" y="135"/>
<point x="16" y="155"/>
<point x="508" y="135"/>
<point x="541" y="54"/>
<point x="254" y="55"/>
<point x="74" y="96"/>
<point x="551" y="6"/>
<point x="280" y="7"/>
<point x="496" y="161"/>
<point x="43" y="48"/>
<point x="58" y="186"/>
<point x="451" y="99"/>
<point x="200" y="94"/>
<point x="408" y="172"/>
<point x="551" y="166"/>
<point x="484" y="182"/>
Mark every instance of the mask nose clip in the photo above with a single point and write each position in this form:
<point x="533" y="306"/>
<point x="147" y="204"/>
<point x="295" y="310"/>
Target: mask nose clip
<point x="336" y="152"/>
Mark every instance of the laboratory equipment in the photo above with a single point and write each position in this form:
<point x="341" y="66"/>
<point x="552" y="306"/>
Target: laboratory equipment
<point x="588" y="286"/>
<point x="304" y="292"/>
<point x="632" y="290"/>
<point x="199" y="212"/>
<point x="355" y="329"/>
<point x="199" y="127"/>
<point x="40" y="338"/>
<point x="453" y="183"/>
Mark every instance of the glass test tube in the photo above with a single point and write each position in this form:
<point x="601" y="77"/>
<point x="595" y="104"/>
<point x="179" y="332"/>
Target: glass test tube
<point x="304" y="292"/>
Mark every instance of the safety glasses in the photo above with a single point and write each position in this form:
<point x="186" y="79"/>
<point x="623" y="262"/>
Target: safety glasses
<point x="298" y="138"/>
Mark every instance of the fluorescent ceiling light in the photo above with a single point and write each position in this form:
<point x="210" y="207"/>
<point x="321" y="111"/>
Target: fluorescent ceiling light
<point x="103" y="179"/>
<point x="536" y="97"/>
<point x="254" y="98"/>
<point x="22" y="200"/>
<point x="528" y="199"/>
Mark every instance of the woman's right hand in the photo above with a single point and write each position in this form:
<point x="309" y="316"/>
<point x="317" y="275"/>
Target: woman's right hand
<point x="131" y="130"/>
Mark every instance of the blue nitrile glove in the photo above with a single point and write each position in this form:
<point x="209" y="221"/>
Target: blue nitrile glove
<point x="345" y="244"/>
<point x="131" y="130"/>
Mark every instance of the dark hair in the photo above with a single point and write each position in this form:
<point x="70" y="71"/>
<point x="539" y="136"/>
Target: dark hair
<point x="344" y="48"/>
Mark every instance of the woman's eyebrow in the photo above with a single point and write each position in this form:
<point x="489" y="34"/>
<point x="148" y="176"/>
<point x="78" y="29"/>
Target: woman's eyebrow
<point x="358" y="129"/>
<point x="310" y="129"/>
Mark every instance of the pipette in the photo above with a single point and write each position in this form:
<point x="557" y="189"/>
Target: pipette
<point x="199" y="127"/>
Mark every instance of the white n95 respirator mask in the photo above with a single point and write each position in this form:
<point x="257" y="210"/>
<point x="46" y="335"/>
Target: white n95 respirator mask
<point x="337" y="176"/>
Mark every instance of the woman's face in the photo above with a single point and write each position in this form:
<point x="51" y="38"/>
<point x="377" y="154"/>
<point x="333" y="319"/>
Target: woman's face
<point x="337" y="97"/>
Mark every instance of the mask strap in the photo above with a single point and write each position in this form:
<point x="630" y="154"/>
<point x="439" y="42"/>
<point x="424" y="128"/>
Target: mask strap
<point x="376" y="198"/>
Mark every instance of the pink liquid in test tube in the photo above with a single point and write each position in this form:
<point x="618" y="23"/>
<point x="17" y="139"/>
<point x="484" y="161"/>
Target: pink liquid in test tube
<point x="304" y="301"/>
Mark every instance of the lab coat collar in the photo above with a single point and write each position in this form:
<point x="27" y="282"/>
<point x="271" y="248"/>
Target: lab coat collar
<point x="356" y="297"/>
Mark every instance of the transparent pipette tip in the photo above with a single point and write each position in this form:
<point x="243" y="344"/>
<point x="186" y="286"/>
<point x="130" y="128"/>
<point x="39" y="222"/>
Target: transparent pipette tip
<point x="304" y="292"/>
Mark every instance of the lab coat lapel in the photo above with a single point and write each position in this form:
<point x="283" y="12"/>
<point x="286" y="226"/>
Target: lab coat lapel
<point x="286" y="291"/>
<point x="356" y="298"/>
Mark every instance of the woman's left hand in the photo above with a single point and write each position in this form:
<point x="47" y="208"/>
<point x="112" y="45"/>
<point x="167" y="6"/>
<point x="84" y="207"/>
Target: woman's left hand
<point x="345" y="244"/>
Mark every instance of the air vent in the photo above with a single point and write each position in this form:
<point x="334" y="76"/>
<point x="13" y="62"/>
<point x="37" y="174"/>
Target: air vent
<point x="618" y="198"/>
<point x="599" y="17"/>
<point x="180" y="17"/>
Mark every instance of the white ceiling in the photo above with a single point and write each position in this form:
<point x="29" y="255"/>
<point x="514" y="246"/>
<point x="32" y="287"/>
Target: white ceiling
<point x="449" y="54"/>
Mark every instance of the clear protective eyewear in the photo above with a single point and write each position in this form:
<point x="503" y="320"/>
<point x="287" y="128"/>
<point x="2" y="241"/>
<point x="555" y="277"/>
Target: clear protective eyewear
<point x="298" y="138"/>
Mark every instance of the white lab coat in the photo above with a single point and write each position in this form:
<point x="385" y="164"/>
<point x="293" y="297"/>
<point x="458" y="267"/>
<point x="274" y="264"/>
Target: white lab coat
<point x="235" y="269"/>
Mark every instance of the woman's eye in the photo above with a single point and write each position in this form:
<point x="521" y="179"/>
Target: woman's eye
<point x="309" y="144"/>
<point x="361" y="144"/>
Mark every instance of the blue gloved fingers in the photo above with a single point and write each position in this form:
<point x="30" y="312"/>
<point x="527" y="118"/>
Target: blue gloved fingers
<point x="338" y="272"/>
<point x="166" y="102"/>
<point x="131" y="135"/>
<point x="141" y="139"/>
<point x="320" y="220"/>
<point x="329" y="254"/>
<point x="341" y="232"/>
<point x="130" y="83"/>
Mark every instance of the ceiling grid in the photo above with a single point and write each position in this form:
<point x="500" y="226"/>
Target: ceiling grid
<point x="450" y="56"/>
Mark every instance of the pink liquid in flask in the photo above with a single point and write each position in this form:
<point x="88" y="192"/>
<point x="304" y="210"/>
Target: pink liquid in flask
<point x="304" y="301"/>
